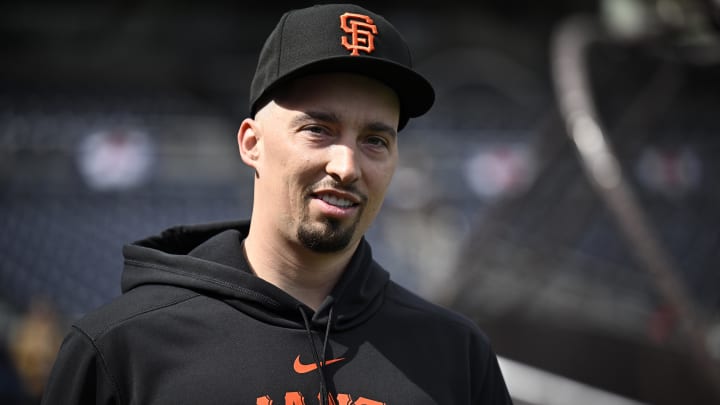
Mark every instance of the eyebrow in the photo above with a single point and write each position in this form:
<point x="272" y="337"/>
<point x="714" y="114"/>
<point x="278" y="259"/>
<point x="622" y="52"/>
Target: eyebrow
<point x="309" y="116"/>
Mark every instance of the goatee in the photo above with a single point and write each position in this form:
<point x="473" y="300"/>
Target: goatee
<point x="330" y="237"/>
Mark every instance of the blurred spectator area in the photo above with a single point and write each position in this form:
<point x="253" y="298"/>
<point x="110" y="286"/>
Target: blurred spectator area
<point x="119" y="119"/>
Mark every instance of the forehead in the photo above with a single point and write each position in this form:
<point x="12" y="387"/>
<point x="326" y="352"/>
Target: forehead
<point x="346" y="95"/>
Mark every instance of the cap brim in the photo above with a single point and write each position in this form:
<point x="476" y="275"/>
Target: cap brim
<point x="415" y="93"/>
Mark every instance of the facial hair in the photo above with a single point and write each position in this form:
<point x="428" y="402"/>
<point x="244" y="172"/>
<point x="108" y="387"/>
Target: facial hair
<point x="329" y="236"/>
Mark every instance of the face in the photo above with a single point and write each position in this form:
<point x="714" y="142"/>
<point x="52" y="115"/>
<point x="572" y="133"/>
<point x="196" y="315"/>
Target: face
<point x="324" y="152"/>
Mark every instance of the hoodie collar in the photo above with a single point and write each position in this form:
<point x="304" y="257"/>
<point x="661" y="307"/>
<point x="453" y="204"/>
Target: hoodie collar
<point x="209" y="260"/>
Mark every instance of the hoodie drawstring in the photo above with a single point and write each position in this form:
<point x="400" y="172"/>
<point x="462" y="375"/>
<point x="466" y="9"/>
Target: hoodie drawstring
<point x="319" y="358"/>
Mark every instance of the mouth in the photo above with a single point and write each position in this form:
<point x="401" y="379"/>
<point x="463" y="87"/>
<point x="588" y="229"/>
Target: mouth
<point x="336" y="201"/>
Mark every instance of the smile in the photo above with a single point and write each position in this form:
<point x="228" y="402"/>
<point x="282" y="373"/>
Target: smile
<point x="336" y="201"/>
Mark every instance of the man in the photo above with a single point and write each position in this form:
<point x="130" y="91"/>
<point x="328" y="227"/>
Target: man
<point x="289" y="308"/>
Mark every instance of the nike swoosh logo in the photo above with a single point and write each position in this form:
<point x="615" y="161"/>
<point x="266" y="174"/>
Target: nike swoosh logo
<point x="301" y="368"/>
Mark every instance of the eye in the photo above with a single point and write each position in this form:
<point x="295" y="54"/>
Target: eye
<point x="377" y="141"/>
<point x="316" y="132"/>
<point x="316" y="129"/>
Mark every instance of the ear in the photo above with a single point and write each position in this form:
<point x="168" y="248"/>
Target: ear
<point x="248" y="139"/>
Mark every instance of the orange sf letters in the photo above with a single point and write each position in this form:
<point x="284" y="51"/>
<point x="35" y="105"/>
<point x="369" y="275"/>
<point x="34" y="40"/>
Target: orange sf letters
<point x="360" y="39"/>
<point x="296" y="398"/>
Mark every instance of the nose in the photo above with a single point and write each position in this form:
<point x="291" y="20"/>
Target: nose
<point x="342" y="164"/>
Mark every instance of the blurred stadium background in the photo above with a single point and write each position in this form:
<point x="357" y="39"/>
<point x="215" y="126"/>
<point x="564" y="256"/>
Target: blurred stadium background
<point x="118" y="119"/>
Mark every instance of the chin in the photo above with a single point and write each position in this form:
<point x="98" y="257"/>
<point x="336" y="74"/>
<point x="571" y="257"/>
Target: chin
<point x="327" y="237"/>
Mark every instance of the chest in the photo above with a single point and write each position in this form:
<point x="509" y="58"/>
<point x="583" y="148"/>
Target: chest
<point x="259" y="364"/>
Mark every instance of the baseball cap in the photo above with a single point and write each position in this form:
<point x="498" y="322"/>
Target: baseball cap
<point x="340" y="38"/>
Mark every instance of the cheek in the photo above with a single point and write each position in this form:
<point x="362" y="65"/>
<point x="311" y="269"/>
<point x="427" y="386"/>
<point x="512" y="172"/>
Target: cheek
<point x="297" y="177"/>
<point x="381" y="178"/>
<point x="279" y="178"/>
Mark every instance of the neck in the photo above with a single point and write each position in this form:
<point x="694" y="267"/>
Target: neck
<point x="306" y="275"/>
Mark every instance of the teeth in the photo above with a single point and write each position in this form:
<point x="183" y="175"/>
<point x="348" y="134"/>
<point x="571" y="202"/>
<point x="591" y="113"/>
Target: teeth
<point x="338" y="202"/>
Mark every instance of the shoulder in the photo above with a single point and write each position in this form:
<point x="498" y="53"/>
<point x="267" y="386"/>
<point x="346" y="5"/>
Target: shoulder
<point x="139" y="303"/>
<point x="408" y="304"/>
<point x="453" y="338"/>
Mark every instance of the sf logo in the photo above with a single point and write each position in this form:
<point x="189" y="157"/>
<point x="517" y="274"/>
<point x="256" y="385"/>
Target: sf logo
<point x="362" y="32"/>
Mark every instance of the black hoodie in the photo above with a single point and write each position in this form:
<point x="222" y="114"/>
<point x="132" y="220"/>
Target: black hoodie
<point x="194" y="325"/>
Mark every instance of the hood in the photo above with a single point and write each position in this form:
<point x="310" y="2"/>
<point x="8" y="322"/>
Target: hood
<point x="209" y="259"/>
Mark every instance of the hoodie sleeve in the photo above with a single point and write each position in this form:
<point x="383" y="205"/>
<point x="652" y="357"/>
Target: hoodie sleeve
<point x="493" y="389"/>
<point x="79" y="375"/>
<point x="489" y="387"/>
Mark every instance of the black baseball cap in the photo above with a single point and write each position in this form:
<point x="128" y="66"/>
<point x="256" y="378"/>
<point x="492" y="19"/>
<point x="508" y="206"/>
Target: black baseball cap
<point x="333" y="38"/>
